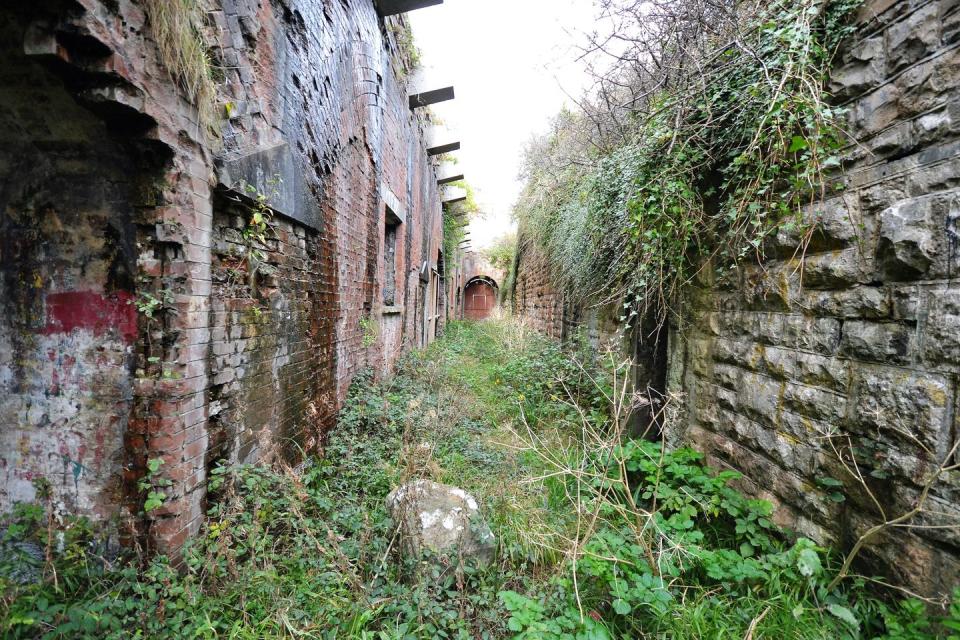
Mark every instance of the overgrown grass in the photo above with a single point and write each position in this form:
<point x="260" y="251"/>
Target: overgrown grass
<point x="598" y="537"/>
<point x="723" y="150"/>
<point x="177" y="27"/>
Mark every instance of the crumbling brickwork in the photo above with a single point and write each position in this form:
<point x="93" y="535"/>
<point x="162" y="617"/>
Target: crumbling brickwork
<point x="857" y="345"/>
<point x="68" y="259"/>
<point x="535" y="296"/>
<point x="142" y="318"/>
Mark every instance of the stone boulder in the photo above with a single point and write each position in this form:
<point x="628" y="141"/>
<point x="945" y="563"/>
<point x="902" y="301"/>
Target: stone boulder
<point x="442" y="519"/>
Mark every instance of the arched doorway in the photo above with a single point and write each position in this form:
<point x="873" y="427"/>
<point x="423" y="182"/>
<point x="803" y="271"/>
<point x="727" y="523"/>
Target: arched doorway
<point x="480" y="297"/>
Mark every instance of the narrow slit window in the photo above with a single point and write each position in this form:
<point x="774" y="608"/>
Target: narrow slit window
<point x="390" y="227"/>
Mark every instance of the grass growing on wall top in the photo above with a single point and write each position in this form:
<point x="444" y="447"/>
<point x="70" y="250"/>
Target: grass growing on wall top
<point x="177" y="28"/>
<point x="710" y="158"/>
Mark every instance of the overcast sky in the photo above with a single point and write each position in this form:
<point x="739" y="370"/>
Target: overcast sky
<point x="510" y="62"/>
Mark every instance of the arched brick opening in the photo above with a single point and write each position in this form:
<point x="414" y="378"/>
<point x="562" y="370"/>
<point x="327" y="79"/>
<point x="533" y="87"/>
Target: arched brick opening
<point x="480" y="298"/>
<point x="77" y="221"/>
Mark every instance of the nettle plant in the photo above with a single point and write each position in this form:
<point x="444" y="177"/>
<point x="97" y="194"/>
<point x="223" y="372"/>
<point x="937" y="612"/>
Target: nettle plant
<point x="260" y="225"/>
<point x="723" y="150"/>
<point x="657" y="544"/>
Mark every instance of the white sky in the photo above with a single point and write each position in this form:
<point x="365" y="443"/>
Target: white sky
<point x="510" y="62"/>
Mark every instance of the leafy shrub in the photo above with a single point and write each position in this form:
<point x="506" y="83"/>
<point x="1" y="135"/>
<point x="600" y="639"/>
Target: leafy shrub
<point x="717" y="152"/>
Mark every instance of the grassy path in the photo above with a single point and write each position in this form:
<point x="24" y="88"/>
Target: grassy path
<point x="599" y="536"/>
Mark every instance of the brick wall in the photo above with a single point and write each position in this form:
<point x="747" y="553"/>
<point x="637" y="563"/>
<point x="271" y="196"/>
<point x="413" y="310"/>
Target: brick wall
<point x="131" y="201"/>
<point x="535" y="296"/>
<point x="67" y="277"/>
<point x="474" y="266"/>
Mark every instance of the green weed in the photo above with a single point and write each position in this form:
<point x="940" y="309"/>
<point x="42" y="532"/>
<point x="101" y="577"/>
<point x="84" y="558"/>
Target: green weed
<point x="672" y="552"/>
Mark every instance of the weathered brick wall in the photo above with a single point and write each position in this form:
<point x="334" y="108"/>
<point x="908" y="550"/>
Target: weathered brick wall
<point x="475" y="264"/>
<point x="130" y="201"/>
<point x="547" y="308"/>
<point x="535" y="296"/>
<point x="266" y="351"/>
<point x="776" y="372"/>
<point x="67" y="277"/>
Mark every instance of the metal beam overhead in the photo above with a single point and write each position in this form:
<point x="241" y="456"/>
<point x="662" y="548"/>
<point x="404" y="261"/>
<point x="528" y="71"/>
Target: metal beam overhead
<point x="393" y="7"/>
<point x="418" y="100"/>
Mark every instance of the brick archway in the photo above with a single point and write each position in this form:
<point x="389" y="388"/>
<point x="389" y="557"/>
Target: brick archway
<point x="480" y="298"/>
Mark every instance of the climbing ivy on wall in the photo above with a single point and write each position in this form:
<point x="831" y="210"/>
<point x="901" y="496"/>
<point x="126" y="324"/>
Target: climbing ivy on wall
<point x="713" y="166"/>
<point x="455" y="219"/>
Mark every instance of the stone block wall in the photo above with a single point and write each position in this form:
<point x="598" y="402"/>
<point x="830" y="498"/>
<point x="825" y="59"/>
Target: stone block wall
<point x="135" y="326"/>
<point x="785" y="366"/>
<point x="780" y="368"/>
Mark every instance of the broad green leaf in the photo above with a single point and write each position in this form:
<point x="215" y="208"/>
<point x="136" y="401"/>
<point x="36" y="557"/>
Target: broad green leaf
<point x="797" y="144"/>
<point x="808" y="562"/>
<point x="844" y="614"/>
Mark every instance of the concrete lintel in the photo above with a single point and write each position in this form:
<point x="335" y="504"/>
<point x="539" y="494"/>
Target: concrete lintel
<point x="431" y="97"/>
<point x="393" y="203"/>
<point x="449" y="179"/>
<point x="274" y="172"/>
<point x="447" y="170"/>
<point x="393" y="7"/>
<point x="452" y="194"/>
<point x="443" y="148"/>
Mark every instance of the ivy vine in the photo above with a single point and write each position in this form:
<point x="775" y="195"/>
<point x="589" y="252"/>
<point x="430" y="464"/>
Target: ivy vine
<point x="711" y="170"/>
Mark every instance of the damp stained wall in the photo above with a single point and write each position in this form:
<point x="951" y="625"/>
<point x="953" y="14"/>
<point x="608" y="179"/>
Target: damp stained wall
<point x="777" y="373"/>
<point x="135" y="324"/>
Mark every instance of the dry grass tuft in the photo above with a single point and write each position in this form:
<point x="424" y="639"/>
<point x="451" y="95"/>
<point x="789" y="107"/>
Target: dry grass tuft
<point x="177" y="26"/>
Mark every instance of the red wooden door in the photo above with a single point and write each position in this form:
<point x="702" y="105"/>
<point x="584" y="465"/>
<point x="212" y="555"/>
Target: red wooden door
<point x="479" y="300"/>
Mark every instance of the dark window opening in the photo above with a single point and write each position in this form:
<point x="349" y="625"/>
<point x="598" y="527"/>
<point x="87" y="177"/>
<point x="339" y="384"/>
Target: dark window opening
<point x="390" y="227"/>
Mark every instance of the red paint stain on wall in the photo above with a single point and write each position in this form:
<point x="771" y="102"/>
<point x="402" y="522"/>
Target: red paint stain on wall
<point x="91" y="311"/>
